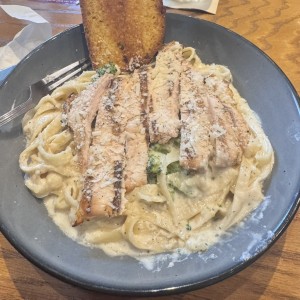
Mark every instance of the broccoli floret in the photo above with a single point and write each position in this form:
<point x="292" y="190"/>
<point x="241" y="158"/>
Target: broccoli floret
<point x="174" y="167"/>
<point x="165" y="149"/>
<point x="151" y="178"/>
<point x="108" y="68"/>
<point x="154" y="163"/>
<point x="176" y="142"/>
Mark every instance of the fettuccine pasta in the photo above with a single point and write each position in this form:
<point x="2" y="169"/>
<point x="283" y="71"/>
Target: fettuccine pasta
<point x="180" y="209"/>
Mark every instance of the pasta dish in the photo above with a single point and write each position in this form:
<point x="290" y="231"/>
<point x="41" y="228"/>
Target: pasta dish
<point x="166" y="157"/>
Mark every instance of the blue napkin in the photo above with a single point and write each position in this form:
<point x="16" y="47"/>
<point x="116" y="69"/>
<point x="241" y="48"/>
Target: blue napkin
<point x="4" y="73"/>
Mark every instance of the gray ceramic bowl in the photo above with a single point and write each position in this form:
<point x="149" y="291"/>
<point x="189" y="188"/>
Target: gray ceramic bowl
<point x="24" y="219"/>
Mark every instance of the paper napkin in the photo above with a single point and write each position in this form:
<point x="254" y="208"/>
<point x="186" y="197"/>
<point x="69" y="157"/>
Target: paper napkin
<point x="31" y="36"/>
<point x="204" y="5"/>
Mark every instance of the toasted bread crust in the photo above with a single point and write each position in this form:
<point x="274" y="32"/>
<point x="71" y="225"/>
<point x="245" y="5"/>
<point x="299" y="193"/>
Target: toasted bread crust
<point x="123" y="31"/>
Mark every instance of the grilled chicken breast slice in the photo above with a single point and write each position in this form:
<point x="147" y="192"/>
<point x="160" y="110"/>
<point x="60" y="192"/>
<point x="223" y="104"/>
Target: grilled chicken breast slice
<point x="163" y="104"/>
<point x="81" y="114"/>
<point x="104" y="191"/>
<point x="131" y="95"/>
<point x="230" y="131"/>
<point x="213" y="131"/>
<point x="227" y="151"/>
<point x="195" y="147"/>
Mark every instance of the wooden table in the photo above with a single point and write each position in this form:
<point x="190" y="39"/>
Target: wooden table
<point x="272" y="25"/>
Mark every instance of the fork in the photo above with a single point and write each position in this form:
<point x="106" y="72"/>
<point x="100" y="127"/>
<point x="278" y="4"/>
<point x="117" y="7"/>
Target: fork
<point x="36" y="91"/>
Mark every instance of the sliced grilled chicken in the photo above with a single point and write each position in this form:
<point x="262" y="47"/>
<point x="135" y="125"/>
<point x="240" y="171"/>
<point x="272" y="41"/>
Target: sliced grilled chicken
<point x="229" y="129"/>
<point x="118" y="154"/>
<point x="142" y="108"/>
<point x="227" y="151"/>
<point x="163" y="104"/>
<point x="81" y="114"/>
<point x="103" y="191"/>
<point x="195" y="147"/>
<point x="213" y="131"/>
<point x="132" y="101"/>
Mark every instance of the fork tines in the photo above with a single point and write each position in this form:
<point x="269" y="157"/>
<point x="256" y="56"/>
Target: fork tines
<point x="44" y="86"/>
<point x="57" y="78"/>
